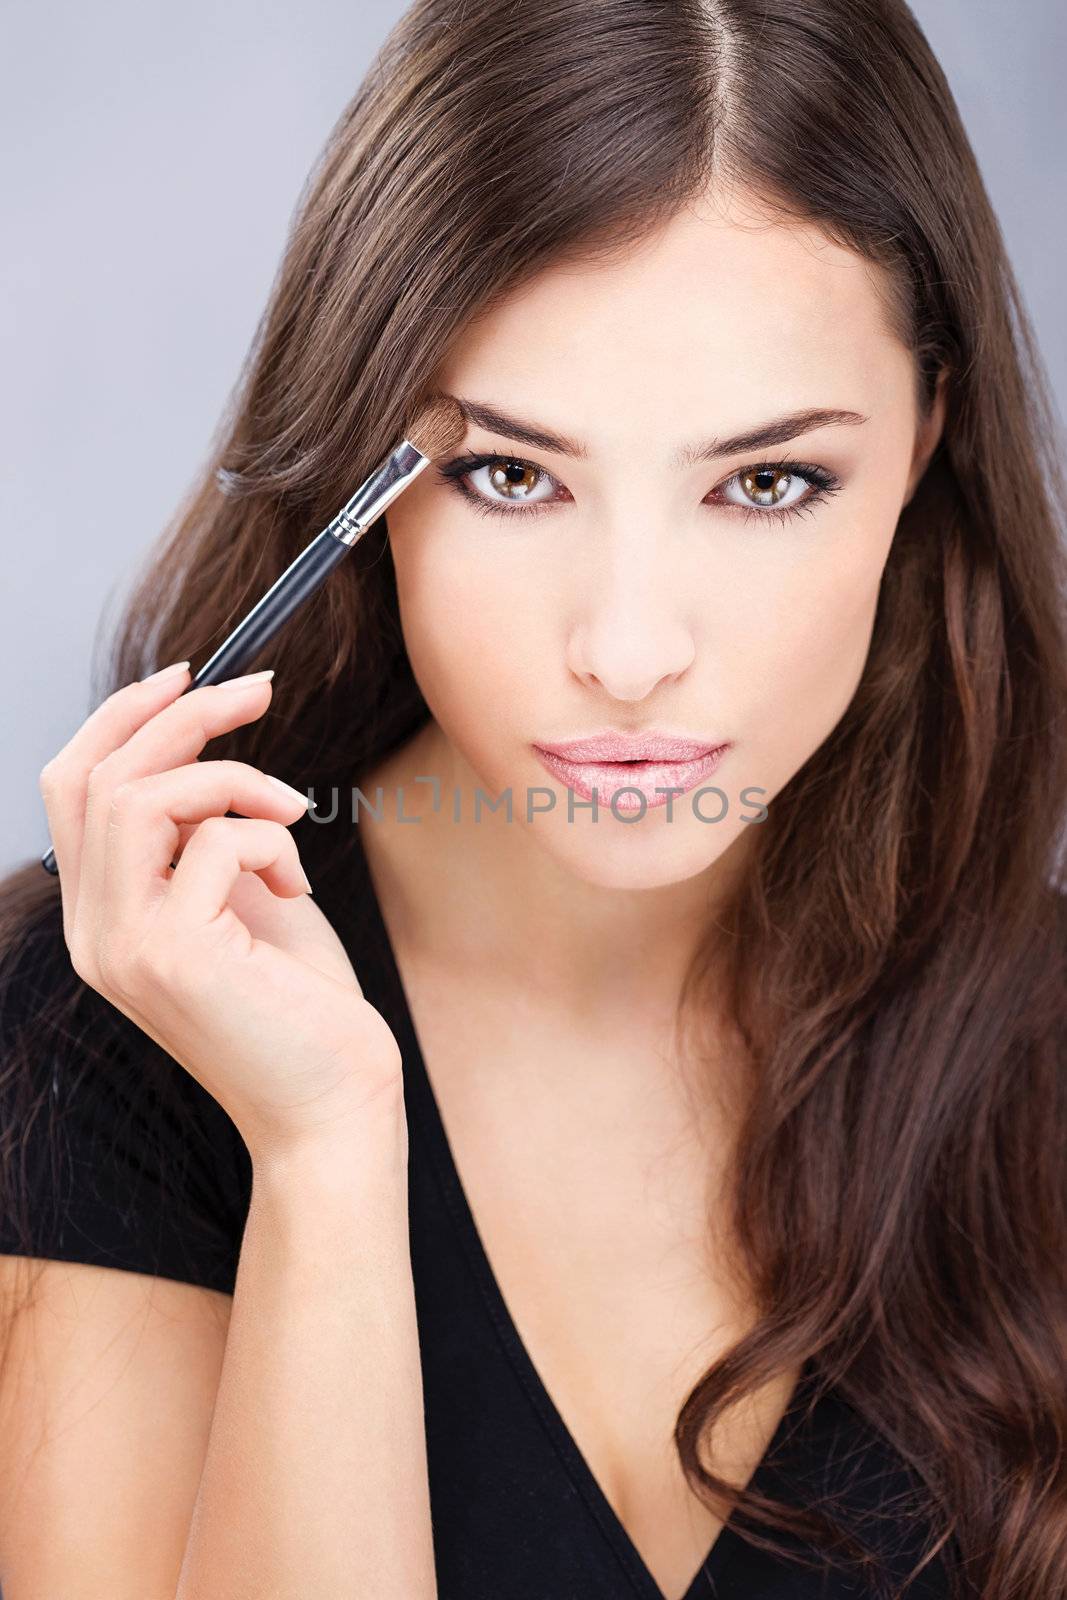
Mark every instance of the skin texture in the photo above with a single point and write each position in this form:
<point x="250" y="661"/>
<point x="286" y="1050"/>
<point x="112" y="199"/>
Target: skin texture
<point x="639" y="595"/>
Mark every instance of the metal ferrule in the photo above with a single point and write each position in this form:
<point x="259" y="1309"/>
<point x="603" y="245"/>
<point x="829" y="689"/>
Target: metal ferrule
<point x="379" y="490"/>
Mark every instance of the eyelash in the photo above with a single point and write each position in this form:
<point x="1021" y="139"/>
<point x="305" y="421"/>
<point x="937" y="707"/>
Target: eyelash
<point x="823" y="484"/>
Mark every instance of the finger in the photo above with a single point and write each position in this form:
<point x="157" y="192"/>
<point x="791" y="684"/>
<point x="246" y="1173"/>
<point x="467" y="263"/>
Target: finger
<point x="170" y="739"/>
<point x="181" y="729"/>
<point x="219" y="851"/>
<point x="178" y="732"/>
<point x="127" y="858"/>
<point x="64" y="779"/>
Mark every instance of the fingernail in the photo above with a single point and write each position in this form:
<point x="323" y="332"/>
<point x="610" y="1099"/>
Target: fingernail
<point x="307" y="885"/>
<point x="165" y="672"/>
<point x="249" y="677"/>
<point x="289" y="790"/>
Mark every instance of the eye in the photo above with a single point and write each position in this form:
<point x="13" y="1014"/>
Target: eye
<point x="512" y="487"/>
<point x="507" y="486"/>
<point x="777" y="489"/>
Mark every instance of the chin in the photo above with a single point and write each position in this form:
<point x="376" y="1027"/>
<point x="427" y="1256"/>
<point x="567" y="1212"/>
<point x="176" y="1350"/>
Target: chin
<point x="647" y="854"/>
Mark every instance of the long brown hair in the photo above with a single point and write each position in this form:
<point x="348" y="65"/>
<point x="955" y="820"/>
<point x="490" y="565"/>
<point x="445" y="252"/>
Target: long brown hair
<point x="895" y="956"/>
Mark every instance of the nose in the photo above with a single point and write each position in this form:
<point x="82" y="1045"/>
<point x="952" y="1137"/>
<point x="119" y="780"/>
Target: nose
<point x="631" y="630"/>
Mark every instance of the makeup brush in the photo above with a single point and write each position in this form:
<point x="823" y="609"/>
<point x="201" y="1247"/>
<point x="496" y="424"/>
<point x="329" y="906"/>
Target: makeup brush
<point x="437" y="429"/>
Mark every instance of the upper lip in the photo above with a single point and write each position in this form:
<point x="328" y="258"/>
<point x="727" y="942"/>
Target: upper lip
<point x="649" y="746"/>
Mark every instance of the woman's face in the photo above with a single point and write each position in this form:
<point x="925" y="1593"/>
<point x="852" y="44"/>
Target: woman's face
<point x="647" y="564"/>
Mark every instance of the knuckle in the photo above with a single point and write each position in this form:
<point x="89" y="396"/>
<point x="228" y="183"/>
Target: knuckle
<point x="213" y="832"/>
<point x="48" y="778"/>
<point x="124" y="797"/>
<point x="97" y="781"/>
<point x="240" y="774"/>
<point x="278" y="837"/>
<point x="230" y="767"/>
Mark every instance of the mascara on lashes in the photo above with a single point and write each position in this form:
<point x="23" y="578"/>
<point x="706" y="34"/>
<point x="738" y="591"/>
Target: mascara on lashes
<point x="822" y="482"/>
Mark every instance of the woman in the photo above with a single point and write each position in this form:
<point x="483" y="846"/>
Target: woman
<point x="658" y="1201"/>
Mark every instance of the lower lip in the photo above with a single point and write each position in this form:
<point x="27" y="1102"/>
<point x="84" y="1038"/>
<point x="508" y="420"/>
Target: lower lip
<point x="607" y="777"/>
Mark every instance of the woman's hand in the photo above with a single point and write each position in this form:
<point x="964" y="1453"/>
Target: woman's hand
<point x="223" y="959"/>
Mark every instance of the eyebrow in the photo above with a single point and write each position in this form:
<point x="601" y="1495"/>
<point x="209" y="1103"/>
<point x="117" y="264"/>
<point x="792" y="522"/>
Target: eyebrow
<point x="778" y="431"/>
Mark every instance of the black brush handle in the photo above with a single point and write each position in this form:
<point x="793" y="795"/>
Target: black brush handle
<point x="297" y="583"/>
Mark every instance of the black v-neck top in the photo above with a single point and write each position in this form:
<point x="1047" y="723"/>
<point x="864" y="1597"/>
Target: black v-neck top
<point x="517" y="1513"/>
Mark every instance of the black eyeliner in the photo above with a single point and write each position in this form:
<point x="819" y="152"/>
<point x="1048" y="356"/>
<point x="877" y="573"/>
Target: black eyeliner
<point x="820" y="479"/>
<point x="460" y="465"/>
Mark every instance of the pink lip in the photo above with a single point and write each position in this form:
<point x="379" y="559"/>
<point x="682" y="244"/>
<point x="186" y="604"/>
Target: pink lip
<point x="612" y="761"/>
<point x="613" y="746"/>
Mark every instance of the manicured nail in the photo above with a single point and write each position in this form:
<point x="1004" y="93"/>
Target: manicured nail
<point x="307" y="887"/>
<point x="165" y="672"/>
<point x="296" y="794"/>
<point x="249" y="677"/>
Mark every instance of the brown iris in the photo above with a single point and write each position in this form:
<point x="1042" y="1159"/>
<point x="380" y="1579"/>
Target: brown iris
<point x="510" y="476"/>
<point x="766" y="486"/>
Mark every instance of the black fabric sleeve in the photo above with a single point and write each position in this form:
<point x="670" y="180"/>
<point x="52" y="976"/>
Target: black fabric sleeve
<point x="111" y="1153"/>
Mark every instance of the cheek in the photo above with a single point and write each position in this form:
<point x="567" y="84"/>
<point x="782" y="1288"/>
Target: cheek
<point x="817" y="631"/>
<point x="810" y="637"/>
<point x="476" y="633"/>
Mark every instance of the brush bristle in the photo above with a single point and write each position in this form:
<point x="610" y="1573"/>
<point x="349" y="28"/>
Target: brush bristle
<point x="438" y="428"/>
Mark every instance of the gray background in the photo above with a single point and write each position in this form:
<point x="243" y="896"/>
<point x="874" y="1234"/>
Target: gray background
<point x="152" y="158"/>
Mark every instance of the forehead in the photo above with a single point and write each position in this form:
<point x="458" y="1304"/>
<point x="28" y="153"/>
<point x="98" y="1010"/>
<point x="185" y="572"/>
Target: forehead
<point x="721" y="312"/>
